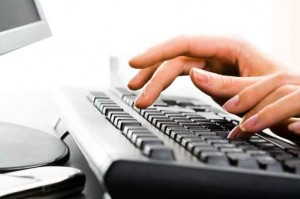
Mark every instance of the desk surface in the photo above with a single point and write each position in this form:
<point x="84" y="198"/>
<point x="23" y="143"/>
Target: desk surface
<point x="36" y="109"/>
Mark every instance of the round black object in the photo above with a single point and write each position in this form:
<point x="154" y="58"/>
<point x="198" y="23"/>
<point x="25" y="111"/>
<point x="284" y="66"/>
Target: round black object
<point x="22" y="148"/>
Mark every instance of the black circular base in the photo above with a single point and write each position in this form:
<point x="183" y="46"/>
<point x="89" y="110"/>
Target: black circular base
<point x="22" y="148"/>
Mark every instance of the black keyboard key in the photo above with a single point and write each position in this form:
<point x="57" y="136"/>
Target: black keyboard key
<point x="119" y="118"/>
<point x="295" y="152"/>
<point x="149" y="115"/>
<point x="185" y="141"/>
<point x="149" y="109"/>
<point x="222" y="134"/>
<point x="170" y="102"/>
<point x="117" y="115"/>
<point x="142" y="142"/>
<point x="159" y="152"/>
<point x="204" y="133"/>
<point x="231" y="150"/>
<point x="224" y="145"/>
<point x="180" y="137"/>
<point x="213" y="142"/>
<point x="191" y="145"/>
<point x="266" y="146"/>
<point x="197" y="150"/>
<point x="269" y="163"/>
<point x="108" y="109"/>
<point x="256" y="152"/>
<point x="164" y="125"/>
<point x="133" y="129"/>
<point x="242" y="160"/>
<point x="122" y="123"/>
<point x="211" y="137"/>
<point x="174" y="134"/>
<point x="214" y="158"/>
<point x="173" y="128"/>
<point x="134" y="133"/>
<point x="284" y="157"/>
<point x="210" y="115"/>
<point x="293" y="165"/>
<point x="143" y="138"/>
<point x="94" y="95"/>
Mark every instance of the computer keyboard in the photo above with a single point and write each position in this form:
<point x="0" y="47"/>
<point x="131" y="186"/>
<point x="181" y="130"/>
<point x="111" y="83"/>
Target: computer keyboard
<point x="200" y="129"/>
<point x="176" y="148"/>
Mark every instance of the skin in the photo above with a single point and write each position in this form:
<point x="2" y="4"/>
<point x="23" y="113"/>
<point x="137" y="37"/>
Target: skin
<point x="224" y="68"/>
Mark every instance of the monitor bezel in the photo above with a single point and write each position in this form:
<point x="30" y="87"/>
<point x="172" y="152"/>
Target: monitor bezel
<point x="21" y="36"/>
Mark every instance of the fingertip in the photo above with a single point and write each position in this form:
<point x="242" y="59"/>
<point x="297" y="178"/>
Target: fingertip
<point x="294" y="127"/>
<point x="141" y="103"/>
<point x="133" y="62"/>
<point x="231" y="104"/>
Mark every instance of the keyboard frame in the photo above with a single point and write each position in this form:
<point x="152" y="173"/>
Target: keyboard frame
<point x="125" y="171"/>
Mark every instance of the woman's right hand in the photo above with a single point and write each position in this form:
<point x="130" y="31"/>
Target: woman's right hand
<point x="161" y="64"/>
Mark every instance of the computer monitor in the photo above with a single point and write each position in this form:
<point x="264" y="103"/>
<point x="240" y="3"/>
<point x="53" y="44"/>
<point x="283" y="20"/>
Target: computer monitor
<point x="22" y="22"/>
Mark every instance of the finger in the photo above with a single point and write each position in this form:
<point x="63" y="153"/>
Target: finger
<point x="143" y="76"/>
<point x="164" y="76"/>
<point x="273" y="97"/>
<point x="252" y="95"/>
<point x="295" y="127"/>
<point x="192" y="46"/>
<point x="220" y="85"/>
<point x="282" y="129"/>
<point x="280" y="110"/>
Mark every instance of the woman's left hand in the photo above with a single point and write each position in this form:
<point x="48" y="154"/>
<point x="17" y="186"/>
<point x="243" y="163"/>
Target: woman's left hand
<point x="273" y="102"/>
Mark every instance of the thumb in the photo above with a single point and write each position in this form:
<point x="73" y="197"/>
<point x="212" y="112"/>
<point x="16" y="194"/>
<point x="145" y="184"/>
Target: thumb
<point x="217" y="85"/>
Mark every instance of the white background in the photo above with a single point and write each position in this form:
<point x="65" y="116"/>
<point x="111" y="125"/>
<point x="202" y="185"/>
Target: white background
<point x="87" y="32"/>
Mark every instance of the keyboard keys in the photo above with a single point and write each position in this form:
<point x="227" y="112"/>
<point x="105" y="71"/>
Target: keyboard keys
<point x="293" y="165"/>
<point x="141" y="142"/>
<point x="214" y="158"/>
<point x="122" y="123"/>
<point x="159" y="152"/>
<point x="200" y="129"/>
<point x="96" y="95"/>
<point x="269" y="163"/>
<point x="243" y="160"/>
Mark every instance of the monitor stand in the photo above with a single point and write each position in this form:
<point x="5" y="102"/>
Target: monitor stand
<point x="22" y="147"/>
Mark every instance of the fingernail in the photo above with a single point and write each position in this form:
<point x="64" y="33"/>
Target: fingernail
<point x="234" y="133"/>
<point x="249" y="124"/>
<point x="139" y="99"/>
<point x="294" y="126"/>
<point x="201" y="76"/>
<point x="233" y="102"/>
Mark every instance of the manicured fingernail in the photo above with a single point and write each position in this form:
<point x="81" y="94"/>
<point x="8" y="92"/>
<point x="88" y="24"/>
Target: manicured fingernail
<point x="249" y="124"/>
<point x="139" y="99"/>
<point x="201" y="76"/>
<point x="294" y="126"/>
<point x="233" y="102"/>
<point x="234" y="133"/>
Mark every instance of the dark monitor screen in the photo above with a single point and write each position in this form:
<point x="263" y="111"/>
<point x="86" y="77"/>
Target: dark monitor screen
<point x="15" y="13"/>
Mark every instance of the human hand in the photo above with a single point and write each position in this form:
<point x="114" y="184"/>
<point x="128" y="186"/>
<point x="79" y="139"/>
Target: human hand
<point x="273" y="102"/>
<point x="160" y="65"/>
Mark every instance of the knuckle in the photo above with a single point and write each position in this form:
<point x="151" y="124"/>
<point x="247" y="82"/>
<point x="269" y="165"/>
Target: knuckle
<point x="298" y="92"/>
<point x="226" y="82"/>
<point x="285" y="89"/>
<point x="282" y="77"/>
